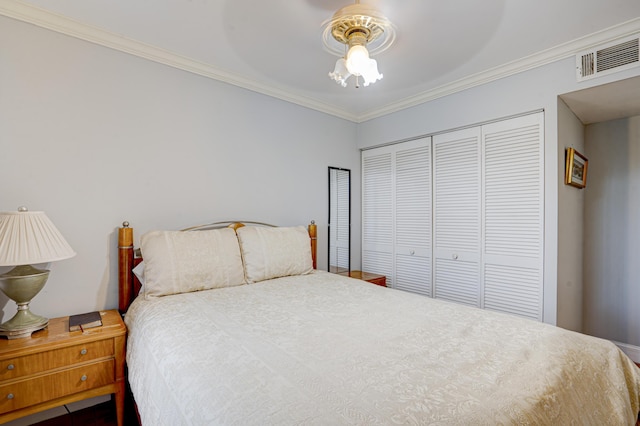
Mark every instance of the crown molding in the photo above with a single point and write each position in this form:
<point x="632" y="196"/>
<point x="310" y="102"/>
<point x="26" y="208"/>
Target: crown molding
<point x="539" y="59"/>
<point x="31" y="14"/>
<point x="26" y="12"/>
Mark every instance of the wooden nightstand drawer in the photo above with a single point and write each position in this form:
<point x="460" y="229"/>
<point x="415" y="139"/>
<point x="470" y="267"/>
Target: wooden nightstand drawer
<point x="24" y="393"/>
<point x="36" y="363"/>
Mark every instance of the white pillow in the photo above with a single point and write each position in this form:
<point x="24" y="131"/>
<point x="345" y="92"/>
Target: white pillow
<point x="274" y="252"/>
<point x="181" y="262"/>
<point x="138" y="271"/>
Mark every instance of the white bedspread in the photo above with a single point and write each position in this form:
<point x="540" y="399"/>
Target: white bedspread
<point x="322" y="349"/>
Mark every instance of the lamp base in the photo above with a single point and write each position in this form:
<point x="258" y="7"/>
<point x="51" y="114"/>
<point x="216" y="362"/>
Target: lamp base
<point x="23" y="323"/>
<point x="21" y="284"/>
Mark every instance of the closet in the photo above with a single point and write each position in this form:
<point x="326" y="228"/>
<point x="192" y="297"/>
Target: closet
<point x="459" y="215"/>
<point x="396" y="194"/>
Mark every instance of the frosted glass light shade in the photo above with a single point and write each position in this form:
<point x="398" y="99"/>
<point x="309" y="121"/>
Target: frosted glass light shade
<point x="357" y="63"/>
<point x="340" y="73"/>
<point x="28" y="238"/>
<point x="370" y="73"/>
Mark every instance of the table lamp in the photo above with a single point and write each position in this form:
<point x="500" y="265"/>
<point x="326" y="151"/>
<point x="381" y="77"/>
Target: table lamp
<point x="27" y="238"/>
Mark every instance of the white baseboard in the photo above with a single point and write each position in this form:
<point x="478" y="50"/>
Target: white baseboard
<point x="632" y="351"/>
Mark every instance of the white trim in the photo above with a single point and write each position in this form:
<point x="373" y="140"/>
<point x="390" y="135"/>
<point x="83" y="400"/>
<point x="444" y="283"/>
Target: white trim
<point x="544" y="57"/>
<point x="633" y="352"/>
<point x="25" y="12"/>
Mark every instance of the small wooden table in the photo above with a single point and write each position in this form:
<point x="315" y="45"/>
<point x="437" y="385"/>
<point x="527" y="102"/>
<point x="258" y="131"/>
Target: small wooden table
<point x="54" y="367"/>
<point x="380" y="280"/>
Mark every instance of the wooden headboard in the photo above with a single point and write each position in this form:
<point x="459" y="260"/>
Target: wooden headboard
<point x="129" y="257"/>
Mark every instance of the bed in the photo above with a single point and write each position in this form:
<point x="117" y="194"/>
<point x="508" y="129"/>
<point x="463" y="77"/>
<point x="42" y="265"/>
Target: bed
<point x="235" y="326"/>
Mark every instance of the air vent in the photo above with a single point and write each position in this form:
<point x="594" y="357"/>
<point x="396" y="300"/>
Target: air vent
<point x="608" y="58"/>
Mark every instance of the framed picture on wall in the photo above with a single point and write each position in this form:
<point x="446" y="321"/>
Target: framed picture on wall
<point x="576" y="169"/>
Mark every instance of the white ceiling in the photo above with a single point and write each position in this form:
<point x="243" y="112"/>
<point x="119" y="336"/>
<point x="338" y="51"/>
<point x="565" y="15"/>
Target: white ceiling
<point x="606" y="102"/>
<point x="275" y="47"/>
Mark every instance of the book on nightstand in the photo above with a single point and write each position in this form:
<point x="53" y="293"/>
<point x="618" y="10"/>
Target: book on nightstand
<point x="85" y="321"/>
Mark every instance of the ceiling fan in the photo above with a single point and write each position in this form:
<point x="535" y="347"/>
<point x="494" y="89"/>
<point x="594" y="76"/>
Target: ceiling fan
<point x="355" y="33"/>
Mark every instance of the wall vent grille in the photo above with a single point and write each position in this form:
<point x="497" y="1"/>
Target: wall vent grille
<point x="608" y="58"/>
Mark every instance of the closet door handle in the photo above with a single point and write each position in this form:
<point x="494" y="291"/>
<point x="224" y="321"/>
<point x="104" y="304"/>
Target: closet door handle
<point x="454" y="256"/>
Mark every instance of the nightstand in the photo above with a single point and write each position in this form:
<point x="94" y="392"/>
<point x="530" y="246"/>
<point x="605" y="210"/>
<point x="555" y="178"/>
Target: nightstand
<point x="376" y="279"/>
<point x="55" y="367"/>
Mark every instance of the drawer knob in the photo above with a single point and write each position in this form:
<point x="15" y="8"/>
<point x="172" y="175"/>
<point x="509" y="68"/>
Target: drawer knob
<point x="83" y="378"/>
<point x="10" y="367"/>
<point x="83" y="352"/>
<point x="10" y="396"/>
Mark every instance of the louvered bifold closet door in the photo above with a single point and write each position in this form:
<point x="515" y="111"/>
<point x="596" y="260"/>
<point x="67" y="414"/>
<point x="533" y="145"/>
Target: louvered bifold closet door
<point x="457" y="209"/>
<point x="339" y="220"/>
<point x="377" y="212"/>
<point x="413" y="217"/>
<point x="513" y="215"/>
<point x="343" y="233"/>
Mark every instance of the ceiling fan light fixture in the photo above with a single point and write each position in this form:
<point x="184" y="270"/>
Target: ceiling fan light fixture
<point x="362" y="31"/>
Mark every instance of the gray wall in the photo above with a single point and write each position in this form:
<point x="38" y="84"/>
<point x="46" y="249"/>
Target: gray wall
<point x="612" y="231"/>
<point x="93" y="137"/>
<point x="570" y="225"/>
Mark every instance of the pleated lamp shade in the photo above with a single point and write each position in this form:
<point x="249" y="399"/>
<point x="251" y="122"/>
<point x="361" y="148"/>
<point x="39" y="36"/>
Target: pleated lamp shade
<point x="28" y="238"/>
